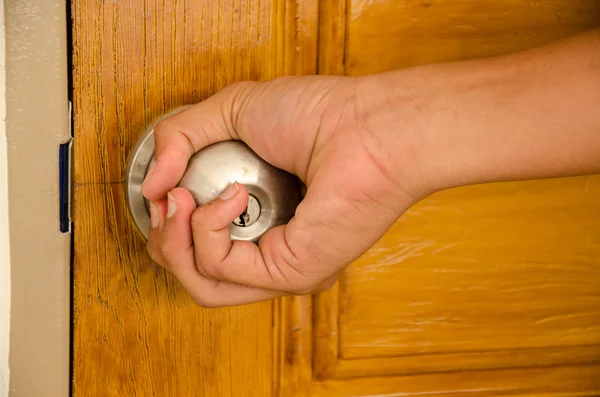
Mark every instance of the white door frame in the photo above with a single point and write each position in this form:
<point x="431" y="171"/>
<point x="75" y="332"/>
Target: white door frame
<point x="37" y="122"/>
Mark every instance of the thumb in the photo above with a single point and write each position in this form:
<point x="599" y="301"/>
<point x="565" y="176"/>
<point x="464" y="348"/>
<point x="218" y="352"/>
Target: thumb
<point x="287" y="259"/>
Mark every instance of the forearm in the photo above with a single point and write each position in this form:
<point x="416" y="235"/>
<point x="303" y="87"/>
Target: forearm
<point x="530" y="115"/>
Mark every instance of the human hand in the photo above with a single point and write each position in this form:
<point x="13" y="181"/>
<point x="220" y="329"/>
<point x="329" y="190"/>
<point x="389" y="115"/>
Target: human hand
<point x="314" y="127"/>
<point x="367" y="149"/>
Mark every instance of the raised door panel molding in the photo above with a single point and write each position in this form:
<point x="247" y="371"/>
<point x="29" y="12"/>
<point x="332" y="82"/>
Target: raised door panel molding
<point x="475" y="291"/>
<point x="415" y="32"/>
<point x="487" y="268"/>
<point x="136" y="61"/>
<point x="136" y="331"/>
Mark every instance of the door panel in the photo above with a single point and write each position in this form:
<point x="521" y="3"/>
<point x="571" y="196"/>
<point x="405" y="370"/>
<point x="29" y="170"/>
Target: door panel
<point x="475" y="291"/>
<point x="484" y="278"/>
<point x="134" y="61"/>
<point x="437" y="274"/>
<point x="384" y="35"/>
<point x="434" y="295"/>
<point x="136" y="332"/>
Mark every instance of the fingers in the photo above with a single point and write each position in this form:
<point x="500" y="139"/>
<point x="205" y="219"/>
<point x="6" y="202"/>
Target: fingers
<point x="211" y="223"/>
<point x="181" y="135"/>
<point x="280" y="262"/>
<point x="158" y="211"/>
<point x="197" y="257"/>
<point x="170" y="244"/>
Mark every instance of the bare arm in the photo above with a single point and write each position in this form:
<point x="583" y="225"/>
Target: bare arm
<point x="367" y="148"/>
<point x="529" y="115"/>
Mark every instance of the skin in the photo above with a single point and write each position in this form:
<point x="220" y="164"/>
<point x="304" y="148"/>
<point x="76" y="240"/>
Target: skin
<point x="367" y="148"/>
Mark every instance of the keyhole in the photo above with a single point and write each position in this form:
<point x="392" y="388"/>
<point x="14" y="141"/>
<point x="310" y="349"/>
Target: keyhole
<point x="250" y="214"/>
<point x="244" y="218"/>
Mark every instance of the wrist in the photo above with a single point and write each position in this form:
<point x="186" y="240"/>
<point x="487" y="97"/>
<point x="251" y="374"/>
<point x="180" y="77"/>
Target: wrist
<point x="429" y="120"/>
<point x="403" y="111"/>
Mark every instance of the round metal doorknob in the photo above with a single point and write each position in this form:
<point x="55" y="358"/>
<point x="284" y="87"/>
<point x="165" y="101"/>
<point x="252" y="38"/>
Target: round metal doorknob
<point x="274" y="193"/>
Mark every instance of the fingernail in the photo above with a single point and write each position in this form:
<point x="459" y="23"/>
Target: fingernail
<point x="172" y="205"/>
<point x="149" y="173"/>
<point x="230" y="192"/>
<point x="154" y="215"/>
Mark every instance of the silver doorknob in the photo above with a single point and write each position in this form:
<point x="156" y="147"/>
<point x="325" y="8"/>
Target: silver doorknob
<point x="274" y="193"/>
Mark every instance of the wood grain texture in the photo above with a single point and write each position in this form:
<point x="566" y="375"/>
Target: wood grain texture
<point x="332" y="37"/>
<point x="487" y="268"/>
<point x="136" y="332"/>
<point x="486" y="290"/>
<point x="532" y="298"/>
<point x="580" y="381"/>
<point x="135" y="61"/>
<point x="527" y="372"/>
<point x="390" y="34"/>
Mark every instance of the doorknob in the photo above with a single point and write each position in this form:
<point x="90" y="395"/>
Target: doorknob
<point x="274" y="193"/>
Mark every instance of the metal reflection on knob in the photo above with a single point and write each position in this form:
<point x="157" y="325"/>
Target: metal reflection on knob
<point x="274" y="193"/>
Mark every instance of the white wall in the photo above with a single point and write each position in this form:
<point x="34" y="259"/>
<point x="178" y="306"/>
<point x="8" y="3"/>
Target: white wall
<point x="35" y="83"/>
<point x="4" y="246"/>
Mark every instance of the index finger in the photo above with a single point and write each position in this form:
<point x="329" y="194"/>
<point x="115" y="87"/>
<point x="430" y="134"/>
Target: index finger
<point x="178" y="136"/>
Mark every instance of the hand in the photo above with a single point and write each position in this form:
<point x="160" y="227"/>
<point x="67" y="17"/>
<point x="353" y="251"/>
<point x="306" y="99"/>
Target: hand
<point x="367" y="148"/>
<point x="314" y="127"/>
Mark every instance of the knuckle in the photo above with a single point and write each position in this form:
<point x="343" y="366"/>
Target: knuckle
<point x="211" y="271"/>
<point x="169" y="249"/>
<point x="296" y="281"/>
<point x="170" y="243"/>
<point x="154" y="252"/>
<point x="158" y="259"/>
<point x="162" y="127"/>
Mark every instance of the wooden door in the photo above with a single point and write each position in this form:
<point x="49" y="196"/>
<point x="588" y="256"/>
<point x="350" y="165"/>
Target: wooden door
<point x="477" y="291"/>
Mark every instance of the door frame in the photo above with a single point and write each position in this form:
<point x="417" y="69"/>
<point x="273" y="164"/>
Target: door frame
<point x="37" y="122"/>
